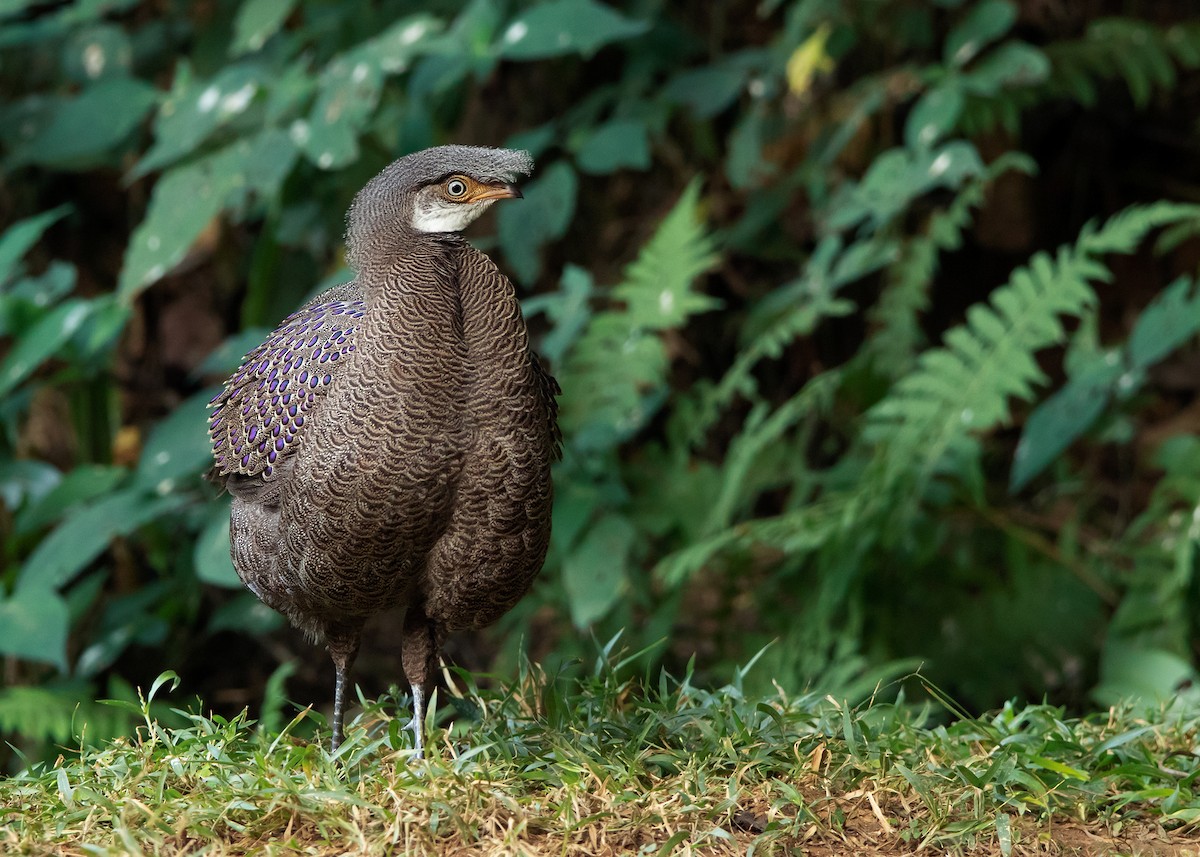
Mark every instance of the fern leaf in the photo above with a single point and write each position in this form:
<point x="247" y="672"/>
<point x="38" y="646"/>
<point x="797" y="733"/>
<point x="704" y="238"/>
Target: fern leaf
<point x="928" y="423"/>
<point x="614" y="376"/>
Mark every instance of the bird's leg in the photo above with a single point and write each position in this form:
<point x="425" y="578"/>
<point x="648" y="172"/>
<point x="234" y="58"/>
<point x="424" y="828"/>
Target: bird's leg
<point x="343" y="648"/>
<point x="418" y="654"/>
<point x="417" y="724"/>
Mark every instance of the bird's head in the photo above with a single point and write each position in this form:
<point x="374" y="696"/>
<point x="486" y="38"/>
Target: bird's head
<point x="436" y="190"/>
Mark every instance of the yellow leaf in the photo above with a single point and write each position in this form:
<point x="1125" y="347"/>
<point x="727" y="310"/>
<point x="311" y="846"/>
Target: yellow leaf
<point x="809" y="59"/>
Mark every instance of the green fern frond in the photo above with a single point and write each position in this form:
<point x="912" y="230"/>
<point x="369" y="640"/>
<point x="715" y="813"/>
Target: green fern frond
<point x="893" y="347"/>
<point x="796" y="310"/>
<point x="1136" y="52"/>
<point x="929" y="422"/>
<point x="802" y="530"/>
<point x="614" y="376"/>
<point x="56" y="715"/>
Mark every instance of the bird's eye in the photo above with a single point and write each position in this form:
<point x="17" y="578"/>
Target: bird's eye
<point x="456" y="187"/>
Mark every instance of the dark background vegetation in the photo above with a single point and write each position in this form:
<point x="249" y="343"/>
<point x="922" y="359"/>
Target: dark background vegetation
<point x="830" y="382"/>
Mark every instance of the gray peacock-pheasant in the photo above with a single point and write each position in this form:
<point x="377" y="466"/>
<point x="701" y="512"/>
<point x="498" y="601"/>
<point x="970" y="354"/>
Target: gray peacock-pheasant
<point x="389" y="445"/>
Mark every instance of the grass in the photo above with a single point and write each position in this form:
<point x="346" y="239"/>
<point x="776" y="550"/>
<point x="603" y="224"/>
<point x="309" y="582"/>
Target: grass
<point x="609" y="765"/>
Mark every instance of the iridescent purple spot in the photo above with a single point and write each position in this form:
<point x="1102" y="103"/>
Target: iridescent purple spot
<point x="299" y="421"/>
<point x="333" y="356"/>
<point x="292" y="409"/>
<point x="262" y="367"/>
<point x="283" y="387"/>
<point x="267" y="470"/>
<point x="217" y="443"/>
<point x="252" y="434"/>
<point x="325" y="357"/>
<point x="237" y="449"/>
<point x="279" y="444"/>
<point x="271" y="456"/>
<point x="262" y="447"/>
<point x="245" y="459"/>
<point x="278" y="428"/>
<point x="274" y="386"/>
<point x="275" y="399"/>
<point x="313" y="381"/>
<point x="351" y="348"/>
<point x="313" y="341"/>
<point x="326" y="379"/>
<point x="303" y="376"/>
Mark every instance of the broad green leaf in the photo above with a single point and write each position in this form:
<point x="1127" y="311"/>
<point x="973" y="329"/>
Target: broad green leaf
<point x="1060" y="419"/>
<point x="562" y="27"/>
<point x="1170" y="321"/>
<point x="186" y="198"/>
<point x="542" y="216"/>
<point x="595" y="573"/>
<point x="1132" y="673"/>
<point x="984" y="23"/>
<point x="42" y="341"/>
<point x="349" y="91"/>
<point x="257" y="21"/>
<point x="615" y="145"/>
<point x="26" y="481"/>
<point x="1010" y="64"/>
<point x="569" y="310"/>
<point x="211" y="555"/>
<point x="934" y="115"/>
<point x="22" y="235"/>
<point x="194" y="109"/>
<point x="177" y="450"/>
<point x="97" y="51"/>
<point x="245" y="614"/>
<point x="228" y="355"/>
<point x="898" y="176"/>
<point x="76" y="131"/>
<point x="85" y="534"/>
<point x="33" y="626"/>
<point x="706" y="91"/>
<point x="80" y="485"/>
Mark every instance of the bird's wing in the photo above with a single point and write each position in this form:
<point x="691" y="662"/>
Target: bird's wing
<point x="261" y="410"/>
<point x="550" y="391"/>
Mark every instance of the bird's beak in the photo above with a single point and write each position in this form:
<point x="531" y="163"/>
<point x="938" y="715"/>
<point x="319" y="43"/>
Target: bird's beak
<point x="500" y="190"/>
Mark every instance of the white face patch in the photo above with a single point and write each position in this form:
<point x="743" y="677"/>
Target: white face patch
<point x="431" y="213"/>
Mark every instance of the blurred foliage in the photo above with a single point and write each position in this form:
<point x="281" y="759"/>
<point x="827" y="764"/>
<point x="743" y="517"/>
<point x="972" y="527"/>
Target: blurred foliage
<point x="876" y="323"/>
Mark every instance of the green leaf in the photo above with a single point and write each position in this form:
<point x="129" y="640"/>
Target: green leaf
<point x="984" y="23"/>
<point x="33" y="626"/>
<point x="83" y="536"/>
<point x="1060" y="419"/>
<point x="76" y="131"/>
<point x="706" y="91"/>
<point x="186" y="198"/>
<point x="594" y="574"/>
<point x="1170" y="321"/>
<point x="569" y="310"/>
<point x="934" y="115"/>
<point x="42" y="341"/>
<point x="563" y="27"/>
<point x="211" y="555"/>
<point x="542" y="216"/>
<point x="194" y="109"/>
<point x="1010" y="64"/>
<point x="80" y="485"/>
<point x="177" y="448"/>
<point x="97" y="51"/>
<point x="898" y="176"/>
<point x="257" y="21"/>
<point x="19" y="238"/>
<point x="615" y="145"/>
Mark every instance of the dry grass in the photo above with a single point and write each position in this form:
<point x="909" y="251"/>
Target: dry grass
<point x="602" y="765"/>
